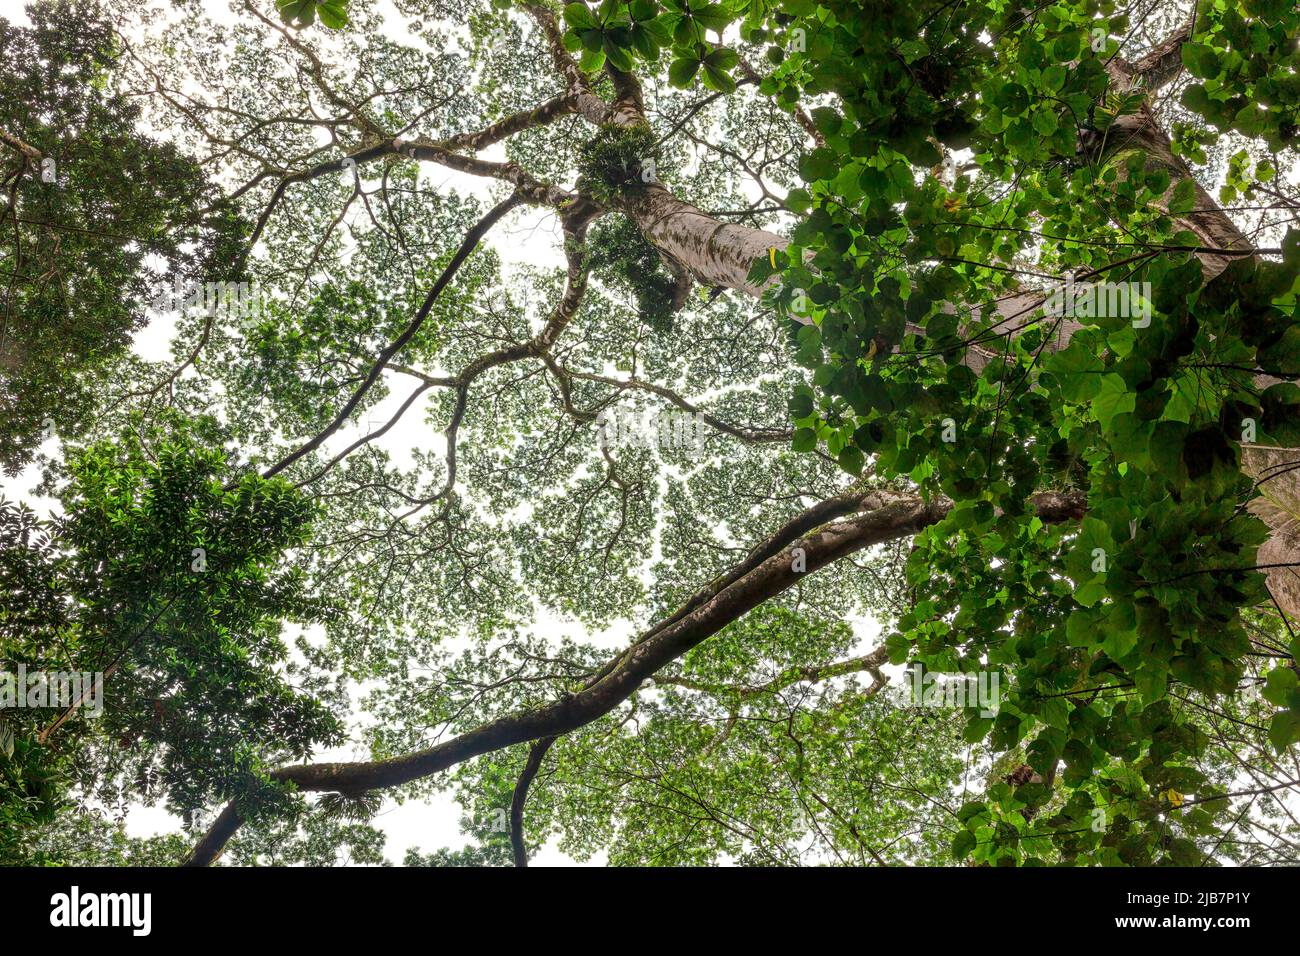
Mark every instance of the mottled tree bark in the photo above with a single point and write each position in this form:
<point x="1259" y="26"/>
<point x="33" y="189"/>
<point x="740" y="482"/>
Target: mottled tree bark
<point x="1277" y="475"/>
<point x="715" y="253"/>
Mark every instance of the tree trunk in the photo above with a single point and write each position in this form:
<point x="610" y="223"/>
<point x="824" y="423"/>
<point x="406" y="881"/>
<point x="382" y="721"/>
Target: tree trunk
<point x="1277" y="472"/>
<point x="721" y="254"/>
<point x="716" y="254"/>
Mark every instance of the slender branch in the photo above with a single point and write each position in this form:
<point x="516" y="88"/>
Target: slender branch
<point x="467" y="246"/>
<point x="536" y="754"/>
<point x="745" y="433"/>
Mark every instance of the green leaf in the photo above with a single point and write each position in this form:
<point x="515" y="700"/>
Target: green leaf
<point x="801" y="402"/>
<point x="333" y="13"/>
<point x="718" y="79"/>
<point x="297" y="12"/>
<point x="1151" y="681"/>
<point x="1092" y="591"/>
<point x="1279" y="686"/>
<point x="1201" y="61"/>
<point x="819" y="164"/>
<point x="592" y="60"/>
<point x="850" y="459"/>
<point x="713" y="16"/>
<point x="976" y="729"/>
<point x="913" y="50"/>
<point x="1119" y="644"/>
<point x="1012" y="99"/>
<point x="1183" y="199"/>
<point x="579" y="17"/>
<point x="618" y="57"/>
<point x="1045" y="123"/>
<point x="1113" y="398"/>
<point x="1284" y="729"/>
<point x="723" y="58"/>
<point x="682" y="71"/>
<point x="1078" y="368"/>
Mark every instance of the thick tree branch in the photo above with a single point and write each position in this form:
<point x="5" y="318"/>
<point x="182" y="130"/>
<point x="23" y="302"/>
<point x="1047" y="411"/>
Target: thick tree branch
<point x="28" y="151"/>
<point x="586" y="103"/>
<point x="1163" y="62"/>
<point x="884" y="516"/>
<point x="542" y="115"/>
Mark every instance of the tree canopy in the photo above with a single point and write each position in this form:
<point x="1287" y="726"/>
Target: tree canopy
<point x="600" y="411"/>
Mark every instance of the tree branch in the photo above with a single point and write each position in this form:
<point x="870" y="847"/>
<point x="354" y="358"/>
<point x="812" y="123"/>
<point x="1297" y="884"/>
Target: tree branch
<point x="28" y="151"/>
<point x="536" y="754"/>
<point x="884" y="516"/>
<point x="467" y="246"/>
